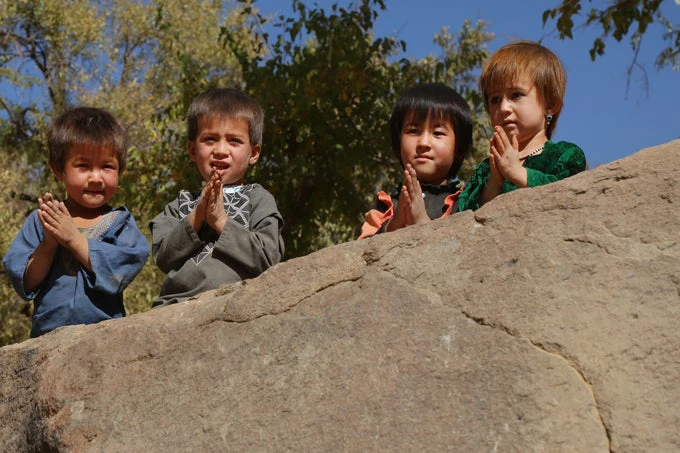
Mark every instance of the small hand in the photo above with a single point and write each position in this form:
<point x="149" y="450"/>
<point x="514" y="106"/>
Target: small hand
<point x="400" y="216"/>
<point x="506" y="157"/>
<point x="197" y="215"/>
<point x="57" y="221"/>
<point x="50" y="240"/>
<point x="215" y="214"/>
<point x="414" y="196"/>
<point x="496" y="179"/>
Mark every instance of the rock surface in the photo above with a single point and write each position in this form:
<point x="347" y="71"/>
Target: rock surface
<point x="545" y="321"/>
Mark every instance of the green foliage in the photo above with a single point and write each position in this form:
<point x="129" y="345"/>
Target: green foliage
<point x="144" y="61"/>
<point x="618" y="20"/>
<point x="326" y="82"/>
<point x="328" y="87"/>
<point x="15" y="313"/>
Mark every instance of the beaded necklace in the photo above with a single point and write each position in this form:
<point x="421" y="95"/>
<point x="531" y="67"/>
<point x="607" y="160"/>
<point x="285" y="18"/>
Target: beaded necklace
<point x="533" y="153"/>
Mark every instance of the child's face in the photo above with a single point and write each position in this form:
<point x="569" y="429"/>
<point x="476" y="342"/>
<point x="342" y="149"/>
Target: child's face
<point x="90" y="176"/>
<point x="518" y="109"/>
<point x="223" y="145"/>
<point x="429" y="147"/>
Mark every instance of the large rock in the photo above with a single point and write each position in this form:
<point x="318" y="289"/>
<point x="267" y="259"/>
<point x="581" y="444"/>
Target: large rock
<point x="546" y="321"/>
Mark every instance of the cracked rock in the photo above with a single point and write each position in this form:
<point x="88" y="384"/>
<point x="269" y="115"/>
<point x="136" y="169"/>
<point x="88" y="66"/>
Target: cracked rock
<point x="545" y="321"/>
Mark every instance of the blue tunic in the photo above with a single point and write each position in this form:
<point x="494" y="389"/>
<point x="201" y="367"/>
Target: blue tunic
<point x="70" y="294"/>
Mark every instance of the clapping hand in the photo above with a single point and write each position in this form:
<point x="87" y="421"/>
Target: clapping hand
<point x="56" y="221"/>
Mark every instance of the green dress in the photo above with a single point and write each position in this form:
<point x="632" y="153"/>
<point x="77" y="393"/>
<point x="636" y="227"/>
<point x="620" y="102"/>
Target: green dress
<point x="557" y="161"/>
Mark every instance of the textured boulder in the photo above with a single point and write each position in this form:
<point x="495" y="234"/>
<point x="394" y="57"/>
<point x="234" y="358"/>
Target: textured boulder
<point x="545" y="321"/>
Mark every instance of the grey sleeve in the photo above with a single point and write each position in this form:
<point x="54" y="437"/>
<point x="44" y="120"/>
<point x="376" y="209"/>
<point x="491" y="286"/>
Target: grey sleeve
<point x="174" y="240"/>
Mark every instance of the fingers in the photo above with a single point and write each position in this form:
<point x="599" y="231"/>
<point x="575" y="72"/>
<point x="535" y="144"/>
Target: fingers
<point x="46" y="198"/>
<point x="406" y="195"/>
<point x="411" y="182"/>
<point x="504" y="141"/>
<point x="213" y="189"/>
<point x="493" y="151"/>
<point x="499" y="141"/>
<point x="217" y="187"/>
<point x="61" y="207"/>
<point x="216" y="190"/>
<point x="49" y="207"/>
<point x="415" y="185"/>
<point x="515" y="142"/>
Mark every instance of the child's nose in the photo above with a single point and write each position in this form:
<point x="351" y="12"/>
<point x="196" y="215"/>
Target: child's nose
<point x="95" y="176"/>
<point x="424" y="139"/>
<point x="221" y="148"/>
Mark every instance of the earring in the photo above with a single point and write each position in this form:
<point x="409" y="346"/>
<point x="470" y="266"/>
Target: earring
<point x="548" y="118"/>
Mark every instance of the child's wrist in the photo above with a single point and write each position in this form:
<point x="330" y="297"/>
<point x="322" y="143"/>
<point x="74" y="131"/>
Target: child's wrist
<point x="520" y="178"/>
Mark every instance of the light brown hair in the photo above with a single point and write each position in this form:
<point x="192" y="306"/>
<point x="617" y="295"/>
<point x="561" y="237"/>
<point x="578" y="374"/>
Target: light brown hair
<point x="527" y="58"/>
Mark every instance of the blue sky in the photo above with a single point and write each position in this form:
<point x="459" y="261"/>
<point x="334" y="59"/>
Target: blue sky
<point x="600" y="115"/>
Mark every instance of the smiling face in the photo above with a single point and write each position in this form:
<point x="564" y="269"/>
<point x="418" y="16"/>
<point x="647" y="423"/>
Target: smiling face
<point x="429" y="147"/>
<point x="223" y="145"/>
<point x="518" y="109"/>
<point x="90" y="176"/>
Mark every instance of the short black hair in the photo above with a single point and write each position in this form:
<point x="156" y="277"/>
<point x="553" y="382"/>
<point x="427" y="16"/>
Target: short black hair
<point x="86" y="126"/>
<point x="227" y="103"/>
<point x="434" y="100"/>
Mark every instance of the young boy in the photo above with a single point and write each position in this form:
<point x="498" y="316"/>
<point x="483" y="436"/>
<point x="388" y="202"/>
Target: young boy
<point x="229" y="231"/>
<point x="74" y="258"/>
<point x="431" y="131"/>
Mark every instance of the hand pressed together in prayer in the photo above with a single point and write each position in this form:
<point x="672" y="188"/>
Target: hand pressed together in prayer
<point x="411" y="207"/>
<point x="210" y="206"/>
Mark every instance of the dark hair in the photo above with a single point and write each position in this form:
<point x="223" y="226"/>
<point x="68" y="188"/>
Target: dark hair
<point x="539" y="64"/>
<point x="227" y="103"/>
<point x="434" y="101"/>
<point x="86" y="126"/>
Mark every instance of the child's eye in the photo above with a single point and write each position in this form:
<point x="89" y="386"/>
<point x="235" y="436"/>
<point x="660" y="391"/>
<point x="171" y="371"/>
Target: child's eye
<point x="495" y="99"/>
<point x="517" y="95"/>
<point x="235" y="140"/>
<point x="412" y="130"/>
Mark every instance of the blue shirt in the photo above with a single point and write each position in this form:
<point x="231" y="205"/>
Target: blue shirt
<point x="70" y="294"/>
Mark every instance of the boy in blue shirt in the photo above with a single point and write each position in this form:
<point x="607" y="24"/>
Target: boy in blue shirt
<point x="74" y="258"/>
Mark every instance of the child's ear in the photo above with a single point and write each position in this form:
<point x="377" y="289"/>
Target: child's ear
<point x="192" y="150"/>
<point x="255" y="154"/>
<point x="57" y="172"/>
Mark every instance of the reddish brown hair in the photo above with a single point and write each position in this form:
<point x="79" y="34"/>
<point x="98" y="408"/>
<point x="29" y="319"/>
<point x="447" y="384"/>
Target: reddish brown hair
<point x="527" y="58"/>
